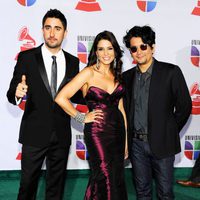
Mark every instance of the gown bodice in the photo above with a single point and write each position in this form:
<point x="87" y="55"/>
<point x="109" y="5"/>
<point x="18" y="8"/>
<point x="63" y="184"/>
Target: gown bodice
<point x="101" y="99"/>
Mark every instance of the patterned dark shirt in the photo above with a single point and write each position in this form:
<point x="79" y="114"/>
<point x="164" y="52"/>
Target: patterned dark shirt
<point x="141" y="96"/>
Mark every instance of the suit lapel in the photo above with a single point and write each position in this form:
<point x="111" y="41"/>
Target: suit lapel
<point x="64" y="81"/>
<point x="129" y="79"/>
<point x="67" y="69"/>
<point x="42" y="70"/>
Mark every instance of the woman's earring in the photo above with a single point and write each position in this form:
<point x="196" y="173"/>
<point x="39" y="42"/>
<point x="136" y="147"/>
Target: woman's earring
<point x="97" y="64"/>
<point x="114" y="63"/>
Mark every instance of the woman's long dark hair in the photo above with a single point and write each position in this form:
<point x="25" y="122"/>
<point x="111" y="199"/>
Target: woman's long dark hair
<point x="92" y="59"/>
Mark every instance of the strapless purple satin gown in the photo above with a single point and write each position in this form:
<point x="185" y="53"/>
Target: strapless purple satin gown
<point x="106" y="143"/>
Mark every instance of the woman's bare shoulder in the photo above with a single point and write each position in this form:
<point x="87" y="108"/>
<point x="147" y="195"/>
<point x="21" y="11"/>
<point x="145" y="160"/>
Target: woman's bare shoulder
<point x="88" y="71"/>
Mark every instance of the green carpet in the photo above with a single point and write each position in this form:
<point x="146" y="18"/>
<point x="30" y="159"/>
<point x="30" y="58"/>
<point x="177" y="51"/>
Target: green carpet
<point x="76" y="183"/>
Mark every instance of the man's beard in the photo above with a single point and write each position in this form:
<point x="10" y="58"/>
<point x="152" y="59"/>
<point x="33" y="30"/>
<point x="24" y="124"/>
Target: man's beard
<point x="52" y="46"/>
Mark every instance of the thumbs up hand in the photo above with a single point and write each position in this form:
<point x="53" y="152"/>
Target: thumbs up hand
<point x="22" y="88"/>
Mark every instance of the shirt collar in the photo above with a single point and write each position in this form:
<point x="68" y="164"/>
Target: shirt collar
<point x="149" y="70"/>
<point x="49" y="54"/>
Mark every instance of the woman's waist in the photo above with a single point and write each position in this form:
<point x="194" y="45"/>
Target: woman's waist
<point x="104" y="108"/>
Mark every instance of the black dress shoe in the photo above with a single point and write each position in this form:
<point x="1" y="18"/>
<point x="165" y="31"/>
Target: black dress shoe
<point x="188" y="183"/>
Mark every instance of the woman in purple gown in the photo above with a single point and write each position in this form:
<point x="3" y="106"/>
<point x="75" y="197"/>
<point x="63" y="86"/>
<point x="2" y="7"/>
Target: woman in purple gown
<point x="105" y="123"/>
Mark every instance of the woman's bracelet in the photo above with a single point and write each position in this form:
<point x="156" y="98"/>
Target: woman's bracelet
<point x="80" y="117"/>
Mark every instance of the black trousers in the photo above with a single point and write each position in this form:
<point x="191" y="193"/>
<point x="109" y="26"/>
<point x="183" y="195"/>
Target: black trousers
<point x="145" y="167"/>
<point x="31" y="163"/>
<point x="195" y="176"/>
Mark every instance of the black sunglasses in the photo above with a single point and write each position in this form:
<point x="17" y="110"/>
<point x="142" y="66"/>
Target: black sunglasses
<point x="143" y="47"/>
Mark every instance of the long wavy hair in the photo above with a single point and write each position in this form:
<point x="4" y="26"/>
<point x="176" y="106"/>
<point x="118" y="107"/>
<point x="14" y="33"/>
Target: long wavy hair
<point x="92" y="59"/>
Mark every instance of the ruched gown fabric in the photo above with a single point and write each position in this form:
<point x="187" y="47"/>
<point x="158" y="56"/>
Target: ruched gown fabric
<point x="105" y="143"/>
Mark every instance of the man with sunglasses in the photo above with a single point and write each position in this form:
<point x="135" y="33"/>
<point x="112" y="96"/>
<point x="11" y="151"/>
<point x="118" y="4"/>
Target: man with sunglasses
<point x="157" y="105"/>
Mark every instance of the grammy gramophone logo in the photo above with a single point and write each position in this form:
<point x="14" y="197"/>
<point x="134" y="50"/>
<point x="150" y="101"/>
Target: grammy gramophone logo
<point x="196" y="10"/>
<point x="88" y="5"/>
<point x="27" y="42"/>
<point x="19" y="156"/>
<point x="195" y="96"/>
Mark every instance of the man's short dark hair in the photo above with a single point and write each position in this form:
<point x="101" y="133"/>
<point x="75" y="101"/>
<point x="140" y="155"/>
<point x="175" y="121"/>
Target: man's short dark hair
<point x="144" y="32"/>
<point x="54" y="13"/>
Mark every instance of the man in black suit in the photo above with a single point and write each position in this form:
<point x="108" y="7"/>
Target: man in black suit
<point x="157" y="105"/>
<point x="45" y="130"/>
<point x="194" y="179"/>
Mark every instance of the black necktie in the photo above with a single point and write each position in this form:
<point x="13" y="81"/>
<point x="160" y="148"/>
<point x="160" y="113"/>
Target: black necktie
<point x="54" y="77"/>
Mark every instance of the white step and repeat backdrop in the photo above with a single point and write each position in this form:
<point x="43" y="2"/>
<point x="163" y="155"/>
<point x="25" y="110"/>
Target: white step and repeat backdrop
<point x="178" y="41"/>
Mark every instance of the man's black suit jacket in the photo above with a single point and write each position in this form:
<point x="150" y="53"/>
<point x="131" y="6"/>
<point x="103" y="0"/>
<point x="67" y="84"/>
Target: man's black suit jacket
<point x="42" y="115"/>
<point x="169" y="107"/>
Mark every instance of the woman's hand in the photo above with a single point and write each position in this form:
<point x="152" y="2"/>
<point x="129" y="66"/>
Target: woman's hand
<point x="126" y="148"/>
<point x="126" y="152"/>
<point x="94" y="116"/>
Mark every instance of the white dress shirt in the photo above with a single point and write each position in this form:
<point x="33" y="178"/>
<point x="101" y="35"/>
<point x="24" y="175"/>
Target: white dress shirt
<point x="61" y="66"/>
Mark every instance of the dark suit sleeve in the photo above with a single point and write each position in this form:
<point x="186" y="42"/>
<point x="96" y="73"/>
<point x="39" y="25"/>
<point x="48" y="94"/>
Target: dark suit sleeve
<point x="19" y="70"/>
<point x="183" y="104"/>
<point x="78" y="97"/>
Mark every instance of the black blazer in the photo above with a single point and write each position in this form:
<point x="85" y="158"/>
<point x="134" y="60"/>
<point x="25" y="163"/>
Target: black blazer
<point x="42" y="115"/>
<point x="169" y="107"/>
